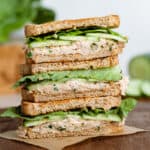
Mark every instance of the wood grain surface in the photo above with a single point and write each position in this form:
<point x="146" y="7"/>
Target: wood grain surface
<point x="140" y="118"/>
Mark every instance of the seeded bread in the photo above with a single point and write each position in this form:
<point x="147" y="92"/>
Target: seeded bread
<point x="111" y="21"/>
<point x="33" y="109"/>
<point x="28" y="69"/>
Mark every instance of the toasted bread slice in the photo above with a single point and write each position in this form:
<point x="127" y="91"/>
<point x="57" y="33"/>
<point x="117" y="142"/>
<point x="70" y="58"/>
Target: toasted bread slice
<point x="111" y="21"/>
<point x="88" y="128"/>
<point x="33" y="109"/>
<point x="76" y="88"/>
<point x="28" y="69"/>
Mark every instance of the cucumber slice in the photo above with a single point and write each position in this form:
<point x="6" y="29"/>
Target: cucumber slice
<point x="139" y="67"/>
<point x="107" y="36"/>
<point x="145" y="87"/>
<point x="29" y="123"/>
<point x="79" y="38"/>
<point x="134" y="88"/>
<point x="49" y="43"/>
<point x="109" y="117"/>
<point x="96" y="30"/>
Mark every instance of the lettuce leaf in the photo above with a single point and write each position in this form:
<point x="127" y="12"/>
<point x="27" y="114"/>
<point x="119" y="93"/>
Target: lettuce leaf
<point x="105" y="74"/>
<point x="114" y="114"/>
<point x="126" y="106"/>
<point x="74" y="32"/>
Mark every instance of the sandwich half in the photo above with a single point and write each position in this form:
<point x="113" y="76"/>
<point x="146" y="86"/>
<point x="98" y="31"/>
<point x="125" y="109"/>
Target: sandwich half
<point x="74" y="122"/>
<point x="73" y="40"/>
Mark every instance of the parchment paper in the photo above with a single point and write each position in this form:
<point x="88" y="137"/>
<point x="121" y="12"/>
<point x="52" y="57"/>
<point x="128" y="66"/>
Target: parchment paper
<point x="60" y="143"/>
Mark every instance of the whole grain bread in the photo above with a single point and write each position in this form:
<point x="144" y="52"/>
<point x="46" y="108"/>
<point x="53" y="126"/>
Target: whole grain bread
<point x="28" y="69"/>
<point x="105" y="128"/>
<point x="110" y="21"/>
<point x="33" y="109"/>
<point x="68" y="90"/>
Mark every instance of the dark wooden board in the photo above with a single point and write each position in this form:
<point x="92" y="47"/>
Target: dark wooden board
<point x="140" y="118"/>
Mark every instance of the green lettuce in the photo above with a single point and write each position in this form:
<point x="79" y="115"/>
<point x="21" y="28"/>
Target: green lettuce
<point x="114" y="114"/>
<point x="76" y="32"/>
<point x="105" y="74"/>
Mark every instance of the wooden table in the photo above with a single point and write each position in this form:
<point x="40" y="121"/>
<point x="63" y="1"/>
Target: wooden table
<point x="140" y="118"/>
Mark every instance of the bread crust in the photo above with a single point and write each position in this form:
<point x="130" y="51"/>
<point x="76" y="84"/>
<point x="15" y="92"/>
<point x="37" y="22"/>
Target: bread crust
<point x="27" y="69"/>
<point x="111" y="21"/>
<point x="106" y="128"/>
<point x="33" y="109"/>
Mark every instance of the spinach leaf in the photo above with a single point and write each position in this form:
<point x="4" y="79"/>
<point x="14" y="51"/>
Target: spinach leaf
<point x="43" y="15"/>
<point x="15" y="13"/>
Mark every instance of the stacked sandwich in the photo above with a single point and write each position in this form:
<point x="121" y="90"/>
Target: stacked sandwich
<point x="72" y="84"/>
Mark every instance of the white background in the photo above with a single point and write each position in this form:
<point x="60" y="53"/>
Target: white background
<point x="134" y="14"/>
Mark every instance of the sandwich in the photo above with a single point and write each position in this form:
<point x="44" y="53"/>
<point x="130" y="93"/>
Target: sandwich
<point x="73" y="40"/>
<point x="71" y="83"/>
<point x="74" y="122"/>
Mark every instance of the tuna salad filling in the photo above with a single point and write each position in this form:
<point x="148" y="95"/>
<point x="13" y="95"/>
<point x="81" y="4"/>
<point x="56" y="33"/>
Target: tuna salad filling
<point x="71" y="85"/>
<point x="56" y="119"/>
<point x="77" y="47"/>
<point x="75" y="85"/>
<point x="70" y="124"/>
